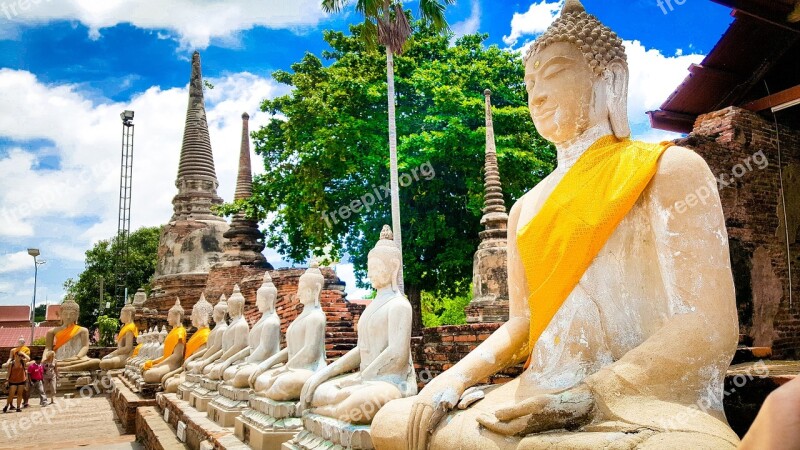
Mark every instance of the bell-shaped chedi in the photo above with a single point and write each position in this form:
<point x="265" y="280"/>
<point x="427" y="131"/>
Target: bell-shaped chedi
<point x="192" y="242"/>
<point x="244" y="242"/>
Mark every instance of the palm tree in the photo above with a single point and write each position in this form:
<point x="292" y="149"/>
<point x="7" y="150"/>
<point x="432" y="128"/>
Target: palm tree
<point x="386" y="23"/>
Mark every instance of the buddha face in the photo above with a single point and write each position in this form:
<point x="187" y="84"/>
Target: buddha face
<point x="68" y="316"/>
<point x="219" y="315"/>
<point x="565" y="98"/>
<point x="307" y="291"/>
<point x="263" y="300"/>
<point x="126" y="316"/>
<point x="174" y="318"/>
<point x="21" y="342"/>
<point x="381" y="270"/>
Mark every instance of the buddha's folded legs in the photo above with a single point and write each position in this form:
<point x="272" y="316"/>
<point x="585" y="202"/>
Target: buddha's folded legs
<point x="242" y="377"/>
<point x="288" y="385"/>
<point x="115" y="362"/>
<point x="356" y="404"/>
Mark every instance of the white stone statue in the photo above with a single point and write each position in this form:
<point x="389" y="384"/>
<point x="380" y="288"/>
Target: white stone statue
<point x="195" y="346"/>
<point x="125" y="340"/>
<point x="264" y="339"/>
<point x="214" y="348"/>
<point x="174" y="347"/>
<point x="382" y="357"/>
<point x="623" y="306"/>
<point x="305" y="345"/>
<point x="70" y="341"/>
<point x="234" y="340"/>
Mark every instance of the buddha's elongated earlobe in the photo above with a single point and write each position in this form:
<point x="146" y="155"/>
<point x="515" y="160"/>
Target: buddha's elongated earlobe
<point x="617" y="98"/>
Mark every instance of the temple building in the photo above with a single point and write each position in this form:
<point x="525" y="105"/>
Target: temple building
<point x="740" y="110"/>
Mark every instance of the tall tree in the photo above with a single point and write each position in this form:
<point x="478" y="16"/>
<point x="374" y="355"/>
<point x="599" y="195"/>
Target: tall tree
<point x="386" y="23"/>
<point x="325" y="165"/>
<point x="142" y="258"/>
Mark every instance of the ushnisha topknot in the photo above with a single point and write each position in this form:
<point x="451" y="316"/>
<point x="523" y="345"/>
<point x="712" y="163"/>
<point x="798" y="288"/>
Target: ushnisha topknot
<point x="598" y="43"/>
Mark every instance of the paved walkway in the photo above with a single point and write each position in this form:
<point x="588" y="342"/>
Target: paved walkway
<point x="68" y="424"/>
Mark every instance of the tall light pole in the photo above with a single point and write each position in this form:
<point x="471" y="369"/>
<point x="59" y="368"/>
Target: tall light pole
<point x="34" y="252"/>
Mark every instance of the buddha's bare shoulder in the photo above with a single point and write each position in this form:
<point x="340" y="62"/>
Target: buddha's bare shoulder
<point x="677" y="163"/>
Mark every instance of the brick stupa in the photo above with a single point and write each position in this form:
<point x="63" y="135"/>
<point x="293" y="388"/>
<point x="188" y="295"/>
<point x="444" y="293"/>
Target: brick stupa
<point x="489" y="268"/>
<point x="192" y="242"/>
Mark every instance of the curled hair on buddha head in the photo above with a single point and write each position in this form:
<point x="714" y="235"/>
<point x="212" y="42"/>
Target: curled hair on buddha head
<point x="387" y="247"/>
<point x="69" y="305"/>
<point x="202" y="309"/>
<point x="598" y="43"/>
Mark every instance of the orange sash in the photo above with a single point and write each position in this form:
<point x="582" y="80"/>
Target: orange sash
<point x="131" y="327"/>
<point x="65" y="335"/>
<point x="175" y="337"/>
<point x="24" y="349"/>
<point x="136" y="350"/>
<point x="576" y="220"/>
<point x="198" y="339"/>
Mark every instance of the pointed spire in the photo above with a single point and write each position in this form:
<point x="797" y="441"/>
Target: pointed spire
<point x="572" y="6"/>
<point x="244" y="180"/>
<point x="197" y="179"/>
<point x="493" y="196"/>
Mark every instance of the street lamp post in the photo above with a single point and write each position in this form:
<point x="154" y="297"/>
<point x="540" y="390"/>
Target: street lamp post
<point x="34" y="252"/>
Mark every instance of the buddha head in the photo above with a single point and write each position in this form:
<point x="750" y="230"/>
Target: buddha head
<point x="69" y="311"/>
<point x="201" y="312"/>
<point x="127" y="313"/>
<point x="383" y="261"/>
<point x="236" y="303"/>
<point x="175" y="314"/>
<point x="220" y="310"/>
<point x="266" y="295"/>
<point x="20" y="341"/>
<point x="309" y="287"/>
<point x="576" y="75"/>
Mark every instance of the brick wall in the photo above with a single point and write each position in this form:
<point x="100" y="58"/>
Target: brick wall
<point x="728" y="140"/>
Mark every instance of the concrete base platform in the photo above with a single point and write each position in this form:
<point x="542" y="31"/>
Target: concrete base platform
<point x="267" y="424"/>
<point x="224" y="408"/>
<point x="125" y="403"/>
<point x="325" y="432"/>
<point x="198" y="429"/>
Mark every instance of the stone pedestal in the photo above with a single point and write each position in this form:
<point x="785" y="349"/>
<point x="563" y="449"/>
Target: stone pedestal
<point x="202" y="395"/>
<point x="326" y="432"/>
<point x="228" y="404"/>
<point x="191" y="381"/>
<point x="267" y="424"/>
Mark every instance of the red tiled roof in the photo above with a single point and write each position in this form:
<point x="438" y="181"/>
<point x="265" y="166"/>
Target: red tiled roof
<point x="53" y="312"/>
<point x="15" y="313"/>
<point x="9" y="336"/>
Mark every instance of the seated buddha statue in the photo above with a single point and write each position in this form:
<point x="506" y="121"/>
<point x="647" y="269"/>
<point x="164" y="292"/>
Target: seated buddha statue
<point x="125" y="340"/>
<point x="382" y="356"/>
<point x="235" y="338"/>
<point x="20" y="348"/>
<point x="214" y="347"/>
<point x="304" y="353"/>
<point x="147" y="340"/>
<point x="622" y="306"/>
<point x="264" y="338"/>
<point x="174" y="347"/>
<point x="195" y="346"/>
<point x="70" y="341"/>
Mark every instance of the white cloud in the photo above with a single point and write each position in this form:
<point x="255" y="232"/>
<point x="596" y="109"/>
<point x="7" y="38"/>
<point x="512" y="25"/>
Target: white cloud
<point x="195" y="23"/>
<point x="471" y="24"/>
<point x="534" y="21"/>
<point x="16" y="261"/>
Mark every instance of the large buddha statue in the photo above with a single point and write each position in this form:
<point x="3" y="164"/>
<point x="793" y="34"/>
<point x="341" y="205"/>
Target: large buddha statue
<point x="195" y="347"/>
<point x="70" y="341"/>
<point x="214" y="347"/>
<point x="174" y="348"/>
<point x="264" y="338"/>
<point x="304" y="353"/>
<point x="622" y="305"/>
<point x="382" y="356"/>
<point x="234" y="340"/>
<point x="125" y="340"/>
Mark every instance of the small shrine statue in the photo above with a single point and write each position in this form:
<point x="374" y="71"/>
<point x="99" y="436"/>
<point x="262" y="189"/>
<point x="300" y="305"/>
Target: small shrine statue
<point x="622" y="304"/>
<point x="174" y="348"/>
<point x="382" y="355"/>
<point x="264" y="339"/>
<point x="70" y="341"/>
<point x="125" y="340"/>
<point x="234" y="339"/>
<point x="195" y="347"/>
<point x="214" y="346"/>
<point x="305" y="345"/>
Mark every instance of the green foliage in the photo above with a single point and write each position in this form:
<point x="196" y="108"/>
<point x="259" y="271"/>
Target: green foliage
<point x="438" y="309"/>
<point x="39" y="313"/>
<point x="100" y="260"/>
<point x="328" y="148"/>
<point x="39" y="341"/>
<point x="107" y="326"/>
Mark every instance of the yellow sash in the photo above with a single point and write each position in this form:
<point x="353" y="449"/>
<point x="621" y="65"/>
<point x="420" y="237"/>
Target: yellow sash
<point x="131" y="327"/>
<point x="175" y="337"/>
<point x="136" y="350"/>
<point x="65" y="335"/>
<point x="560" y="242"/>
<point x="198" y="339"/>
<point x="24" y="349"/>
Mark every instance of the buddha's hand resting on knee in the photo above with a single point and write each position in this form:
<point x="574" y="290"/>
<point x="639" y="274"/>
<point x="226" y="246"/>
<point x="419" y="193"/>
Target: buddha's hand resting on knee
<point x="429" y="408"/>
<point x="568" y="409"/>
<point x="307" y="393"/>
<point x="252" y="380"/>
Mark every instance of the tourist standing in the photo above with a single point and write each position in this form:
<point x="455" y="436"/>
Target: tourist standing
<point x="50" y="375"/>
<point x="17" y="378"/>
<point x="35" y="377"/>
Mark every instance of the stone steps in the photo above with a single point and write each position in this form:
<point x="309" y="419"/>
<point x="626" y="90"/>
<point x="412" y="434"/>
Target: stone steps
<point x="200" y="431"/>
<point x="154" y="433"/>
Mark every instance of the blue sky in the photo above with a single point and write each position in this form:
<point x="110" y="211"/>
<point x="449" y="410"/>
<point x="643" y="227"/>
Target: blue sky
<point x="66" y="71"/>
